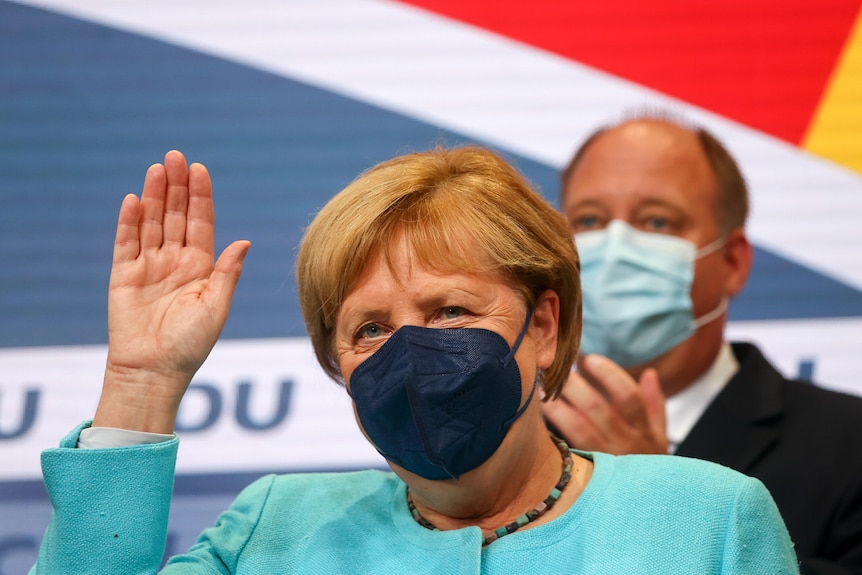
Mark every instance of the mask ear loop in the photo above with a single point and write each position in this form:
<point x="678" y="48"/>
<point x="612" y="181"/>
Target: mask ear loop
<point x="509" y="357"/>
<point x="712" y="315"/>
<point x="711" y="247"/>
<point x="722" y="305"/>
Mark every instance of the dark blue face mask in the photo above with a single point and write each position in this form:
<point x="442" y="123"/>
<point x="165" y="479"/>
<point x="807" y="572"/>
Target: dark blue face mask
<point x="438" y="402"/>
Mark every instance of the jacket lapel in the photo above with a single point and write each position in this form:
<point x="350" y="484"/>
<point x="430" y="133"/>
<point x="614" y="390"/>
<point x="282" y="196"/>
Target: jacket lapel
<point x="744" y="421"/>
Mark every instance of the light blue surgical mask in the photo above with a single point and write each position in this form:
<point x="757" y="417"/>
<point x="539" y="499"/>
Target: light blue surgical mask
<point x="637" y="292"/>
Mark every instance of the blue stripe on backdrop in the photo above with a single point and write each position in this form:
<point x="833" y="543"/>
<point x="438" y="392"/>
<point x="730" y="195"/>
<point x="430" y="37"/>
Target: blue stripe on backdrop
<point x="84" y="108"/>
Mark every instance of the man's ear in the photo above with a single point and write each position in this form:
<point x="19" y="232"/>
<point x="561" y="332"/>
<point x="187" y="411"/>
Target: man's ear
<point x="738" y="257"/>
<point x="544" y="327"/>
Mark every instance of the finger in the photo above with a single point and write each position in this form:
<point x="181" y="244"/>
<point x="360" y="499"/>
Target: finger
<point x="225" y="277"/>
<point x="573" y="425"/>
<point x="201" y="215"/>
<point x="176" y="198"/>
<point x="571" y="389"/>
<point x="622" y="390"/>
<point x="654" y="401"/>
<point x="592" y="406"/>
<point x="152" y="207"/>
<point x="127" y="242"/>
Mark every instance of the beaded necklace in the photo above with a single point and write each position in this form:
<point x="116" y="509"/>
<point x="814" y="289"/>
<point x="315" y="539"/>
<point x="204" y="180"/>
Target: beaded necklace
<point x="527" y="517"/>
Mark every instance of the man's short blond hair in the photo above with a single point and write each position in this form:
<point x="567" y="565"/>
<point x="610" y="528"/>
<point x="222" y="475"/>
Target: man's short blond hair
<point x="461" y="210"/>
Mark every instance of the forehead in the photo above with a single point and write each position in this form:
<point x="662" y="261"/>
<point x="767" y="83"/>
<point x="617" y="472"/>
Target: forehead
<point x="402" y="264"/>
<point x="391" y="277"/>
<point x="434" y="249"/>
<point x="642" y="162"/>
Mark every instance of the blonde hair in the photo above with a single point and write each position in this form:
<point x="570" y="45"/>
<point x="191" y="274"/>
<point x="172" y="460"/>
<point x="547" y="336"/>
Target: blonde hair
<point x="461" y="210"/>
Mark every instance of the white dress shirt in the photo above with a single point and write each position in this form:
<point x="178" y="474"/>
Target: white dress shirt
<point x="101" y="437"/>
<point x="685" y="408"/>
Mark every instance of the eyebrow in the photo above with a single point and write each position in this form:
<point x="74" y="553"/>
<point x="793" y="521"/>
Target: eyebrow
<point x="659" y="202"/>
<point x="465" y="297"/>
<point x="589" y="202"/>
<point x="640" y="202"/>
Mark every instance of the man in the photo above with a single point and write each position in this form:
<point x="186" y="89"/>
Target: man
<point x="658" y="211"/>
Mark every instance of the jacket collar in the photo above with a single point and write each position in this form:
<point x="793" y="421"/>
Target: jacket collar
<point x="744" y="420"/>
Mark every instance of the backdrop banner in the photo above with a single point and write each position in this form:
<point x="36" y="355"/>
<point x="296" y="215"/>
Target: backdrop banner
<point x="286" y="102"/>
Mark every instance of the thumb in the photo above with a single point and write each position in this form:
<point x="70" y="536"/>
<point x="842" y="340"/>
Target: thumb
<point x="226" y="273"/>
<point x="654" y="400"/>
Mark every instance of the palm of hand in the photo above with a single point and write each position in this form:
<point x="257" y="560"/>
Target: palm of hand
<point x="159" y="315"/>
<point x="167" y="300"/>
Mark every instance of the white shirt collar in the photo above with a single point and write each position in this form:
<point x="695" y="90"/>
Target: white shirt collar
<point x="685" y="408"/>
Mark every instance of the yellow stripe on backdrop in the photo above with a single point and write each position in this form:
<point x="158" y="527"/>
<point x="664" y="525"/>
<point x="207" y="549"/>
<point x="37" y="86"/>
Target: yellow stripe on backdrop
<point x="835" y="132"/>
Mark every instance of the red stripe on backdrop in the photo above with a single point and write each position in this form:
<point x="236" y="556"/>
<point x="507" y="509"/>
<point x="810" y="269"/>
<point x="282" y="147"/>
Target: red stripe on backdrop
<point x="764" y="63"/>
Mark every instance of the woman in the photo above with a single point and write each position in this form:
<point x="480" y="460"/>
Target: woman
<point x="443" y="292"/>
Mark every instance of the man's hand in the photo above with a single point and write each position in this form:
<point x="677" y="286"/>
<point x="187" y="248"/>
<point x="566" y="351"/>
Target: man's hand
<point x="167" y="299"/>
<point x="602" y="408"/>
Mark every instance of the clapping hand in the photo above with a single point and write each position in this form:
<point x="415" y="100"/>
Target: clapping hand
<point x="602" y="408"/>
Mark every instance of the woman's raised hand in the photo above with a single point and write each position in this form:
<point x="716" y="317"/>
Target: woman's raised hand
<point x="167" y="300"/>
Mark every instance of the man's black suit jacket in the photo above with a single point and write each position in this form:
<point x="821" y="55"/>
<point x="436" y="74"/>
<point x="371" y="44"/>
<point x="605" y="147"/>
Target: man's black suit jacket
<point x="804" y="443"/>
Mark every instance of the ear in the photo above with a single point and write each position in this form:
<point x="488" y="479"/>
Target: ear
<point x="544" y="326"/>
<point x="738" y="257"/>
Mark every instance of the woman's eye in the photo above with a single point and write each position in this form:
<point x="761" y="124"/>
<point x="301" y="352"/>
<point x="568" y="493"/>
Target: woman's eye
<point x="451" y="312"/>
<point x="370" y="331"/>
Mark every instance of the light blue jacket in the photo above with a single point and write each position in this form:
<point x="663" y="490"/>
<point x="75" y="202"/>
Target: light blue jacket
<point x="638" y="514"/>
